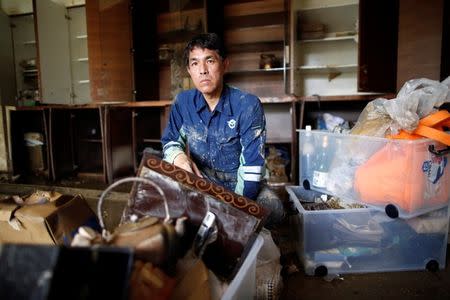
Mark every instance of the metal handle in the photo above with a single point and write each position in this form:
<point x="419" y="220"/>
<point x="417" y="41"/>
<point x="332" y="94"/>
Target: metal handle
<point x="130" y="179"/>
<point x="441" y="152"/>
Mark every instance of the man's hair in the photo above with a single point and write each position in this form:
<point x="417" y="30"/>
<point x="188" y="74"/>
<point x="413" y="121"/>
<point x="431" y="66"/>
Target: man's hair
<point x="209" y="41"/>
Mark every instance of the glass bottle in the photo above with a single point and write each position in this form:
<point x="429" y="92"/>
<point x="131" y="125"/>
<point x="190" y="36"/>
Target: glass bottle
<point x="320" y="174"/>
<point x="306" y="159"/>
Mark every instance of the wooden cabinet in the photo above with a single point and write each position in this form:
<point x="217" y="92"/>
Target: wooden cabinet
<point x="25" y="57"/>
<point x="90" y="143"/>
<point x="109" y="35"/>
<point x="62" y="53"/>
<point x="254" y="34"/>
<point x="343" y="53"/>
<point x="78" y="144"/>
<point x="343" y="47"/>
<point x="131" y="129"/>
<point x="29" y="144"/>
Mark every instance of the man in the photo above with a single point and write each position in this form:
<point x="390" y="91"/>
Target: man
<point x="221" y="127"/>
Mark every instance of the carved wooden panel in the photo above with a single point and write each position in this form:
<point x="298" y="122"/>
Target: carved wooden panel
<point x="238" y="218"/>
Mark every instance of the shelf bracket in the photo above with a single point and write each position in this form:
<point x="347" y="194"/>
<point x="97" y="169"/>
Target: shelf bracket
<point x="333" y="74"/>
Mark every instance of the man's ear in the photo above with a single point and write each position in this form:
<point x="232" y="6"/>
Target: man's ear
<point x="226" y="64"/>
<point x="188" y="70"/>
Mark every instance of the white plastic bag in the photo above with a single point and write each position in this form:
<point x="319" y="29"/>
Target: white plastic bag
<point x="417" y="99"/>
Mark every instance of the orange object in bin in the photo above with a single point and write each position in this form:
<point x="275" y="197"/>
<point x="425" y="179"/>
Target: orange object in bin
<point x="405" y="173"/>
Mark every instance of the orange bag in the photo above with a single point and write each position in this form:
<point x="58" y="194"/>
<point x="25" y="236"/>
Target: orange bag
<point x="405" y="173"/>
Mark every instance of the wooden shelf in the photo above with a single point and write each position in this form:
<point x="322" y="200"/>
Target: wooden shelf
<point x="355" y="97"/>
<point x="81" y="37"/>
<point x="327" y="69"/>
<point x="270" y="33"/>
<point x="255" y="7"/>
<point x="91" y="141"/>
<point x="278" y="141"/>
<point x="81" y="59"/>
<point x="151" y="140"/>
<point x="255" y="71"/>
<point x="255" y="47"/>
<point x="178" y="36"/>
<point x="332" y="37"/>
<point x="279" y="184"/>
<point x="322" y="4"/>
<point x="277" y="100"/>
<point x="257" y="20"/>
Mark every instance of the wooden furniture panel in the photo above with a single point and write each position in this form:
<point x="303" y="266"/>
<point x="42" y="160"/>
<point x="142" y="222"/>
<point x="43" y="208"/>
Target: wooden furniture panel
<point x="29" y="162"/>
<point x="109" y="47"/>
<point x="118" y="141"/>
<point x="62" y="143"/>
<point x="145" y="51"/>
<point x="420" y="27"/>
<point x="24" y="41"/>
<point x="378" y="65"/>
<point x="53" y="42"/>
<point x="260" y="83"/>
<point x="253" y="7"/>
<point x="336" y="47"/>
<point x="268" y="33"/>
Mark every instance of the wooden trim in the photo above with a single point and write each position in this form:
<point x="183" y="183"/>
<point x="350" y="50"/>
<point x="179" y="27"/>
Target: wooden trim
<point x="134" y="139"/>
<point x="294" y="143"/>
<point x="106" y="147"/>
<point x="362" y="97"/>
<point x="47" y="141"/>
<point x="50" y="145"/>
<point x="160" y="103"/>
<point x="105" y="166"/>
<point x="253" y="7"/>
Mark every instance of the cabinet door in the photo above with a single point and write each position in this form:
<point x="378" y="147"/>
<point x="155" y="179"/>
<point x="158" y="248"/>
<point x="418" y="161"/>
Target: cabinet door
<point x="118" y="141"/>
<point x="378" y="36"/>
<point x="30" y="153"/>
<point x="61" y="142"/>
<point x="343" y="47"/>
<point x="79" y="55"/>
<point x="25" y="56"/>
<point x="53" y="48"/>
<point x="109" y="48"/>
<point x="7" y="82"/>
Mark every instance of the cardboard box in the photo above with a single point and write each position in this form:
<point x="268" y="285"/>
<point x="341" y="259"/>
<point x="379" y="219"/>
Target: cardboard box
<point x="50" y="223"/>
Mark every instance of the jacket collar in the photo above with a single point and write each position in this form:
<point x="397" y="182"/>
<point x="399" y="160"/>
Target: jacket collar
<point x="223" y="105"/>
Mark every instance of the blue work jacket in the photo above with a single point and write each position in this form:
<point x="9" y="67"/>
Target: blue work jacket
<point x="227" y="144"/>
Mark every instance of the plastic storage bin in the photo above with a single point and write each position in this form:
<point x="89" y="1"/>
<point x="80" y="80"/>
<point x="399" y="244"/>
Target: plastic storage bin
<point x="402" y="177"/>
<point x="363" y="240"/>
<point x="243" y="285"/>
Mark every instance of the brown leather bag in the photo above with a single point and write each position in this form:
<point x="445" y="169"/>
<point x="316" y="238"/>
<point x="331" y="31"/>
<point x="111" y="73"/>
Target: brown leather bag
<point x="153" y="240"/>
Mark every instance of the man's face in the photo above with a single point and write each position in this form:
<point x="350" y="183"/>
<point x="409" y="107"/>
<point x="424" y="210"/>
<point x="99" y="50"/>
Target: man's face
<point x="206" y="68"/>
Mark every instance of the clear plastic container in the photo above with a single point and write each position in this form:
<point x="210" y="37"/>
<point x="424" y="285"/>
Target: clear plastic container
<point x="363" y="240"/>
<point x="243" y="285"/>
<point x="401" y="177"/>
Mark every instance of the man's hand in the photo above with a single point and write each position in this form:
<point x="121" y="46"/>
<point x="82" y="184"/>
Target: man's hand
<point x="183" y="161"/>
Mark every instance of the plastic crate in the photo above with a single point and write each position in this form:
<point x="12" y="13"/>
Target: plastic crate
<point x="401" y="177"/>
<point x="243" y="285"/>
<point x="364" y="240"/>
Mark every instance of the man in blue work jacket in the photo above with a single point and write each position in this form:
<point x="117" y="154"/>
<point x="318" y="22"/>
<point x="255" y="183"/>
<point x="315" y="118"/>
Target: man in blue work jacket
<point x="222" y="127"/>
